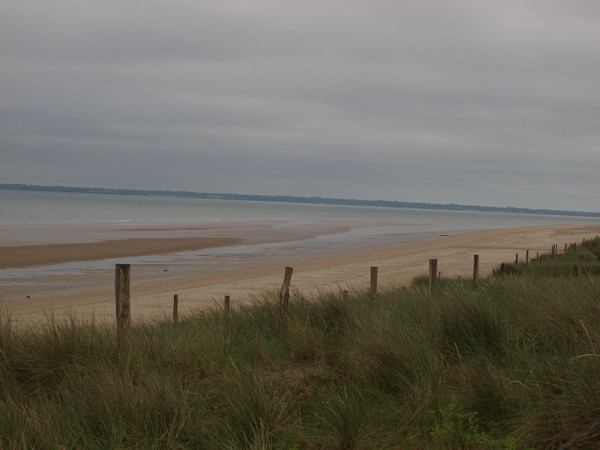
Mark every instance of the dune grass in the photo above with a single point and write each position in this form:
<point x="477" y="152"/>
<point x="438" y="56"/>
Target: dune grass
<point x="514" y="363"/>
<point x="579" y="259"/>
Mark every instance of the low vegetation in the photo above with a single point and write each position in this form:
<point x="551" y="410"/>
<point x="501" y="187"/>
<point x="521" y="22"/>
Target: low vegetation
<point x="513" y="364"/>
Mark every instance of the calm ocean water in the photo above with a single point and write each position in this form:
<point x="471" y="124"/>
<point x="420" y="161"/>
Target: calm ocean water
<point x="358" y="228"/>
<point x="27" y="209"/>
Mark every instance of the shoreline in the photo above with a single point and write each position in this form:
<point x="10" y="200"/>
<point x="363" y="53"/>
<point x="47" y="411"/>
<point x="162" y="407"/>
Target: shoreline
<point x="32" y="247"/>
<point x="398" y="265"/>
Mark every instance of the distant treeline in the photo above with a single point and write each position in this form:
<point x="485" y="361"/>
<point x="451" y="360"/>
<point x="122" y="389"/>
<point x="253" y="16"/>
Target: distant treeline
<point x="293" y="199"/>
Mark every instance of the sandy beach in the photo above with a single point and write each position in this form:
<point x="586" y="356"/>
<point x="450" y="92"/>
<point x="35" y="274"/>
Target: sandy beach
<point x="398" y="265"/>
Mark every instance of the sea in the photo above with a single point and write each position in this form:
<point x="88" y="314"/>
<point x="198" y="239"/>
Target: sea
<point x="37" y="217"/>
<point x="41" y="208"/>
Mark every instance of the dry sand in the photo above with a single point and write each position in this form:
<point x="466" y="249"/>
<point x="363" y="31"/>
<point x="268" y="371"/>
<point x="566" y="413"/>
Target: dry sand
<point x="397" y="265"/>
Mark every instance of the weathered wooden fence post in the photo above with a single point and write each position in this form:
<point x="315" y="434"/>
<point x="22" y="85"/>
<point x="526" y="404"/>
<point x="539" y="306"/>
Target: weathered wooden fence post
<point x="502" y="271"/>
<point x="517" y="258"/>
<point x="123" y="304"/>
<point x="373" y="290"/>
<point x="475" y="270"/>
<point x="226" y="303"/>
<point x="527" y="257"/>
<point x="284" y="299"/>
<point x="175" y="308"/>
<point x="433" y="274"/>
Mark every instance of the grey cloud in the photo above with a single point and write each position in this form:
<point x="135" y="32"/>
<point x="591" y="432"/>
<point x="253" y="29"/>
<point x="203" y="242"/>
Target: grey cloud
<point x="398" y="100"/>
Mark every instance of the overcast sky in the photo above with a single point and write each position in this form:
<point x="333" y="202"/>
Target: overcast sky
<point x="474" y="102"/>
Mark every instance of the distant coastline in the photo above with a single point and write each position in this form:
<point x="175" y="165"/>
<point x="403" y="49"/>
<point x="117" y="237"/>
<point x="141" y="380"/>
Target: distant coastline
<point x="291" y="199"/>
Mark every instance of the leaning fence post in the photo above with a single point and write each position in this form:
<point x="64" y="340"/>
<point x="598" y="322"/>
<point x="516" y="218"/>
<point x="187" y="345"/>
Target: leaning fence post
<point x="175" y="308"/>
<point x="123" y="306"/>
<point x="284" y="299"/>
<point x="433" y="264"/>
<point x="373" y="290"/>
<point x="475" y="270"/>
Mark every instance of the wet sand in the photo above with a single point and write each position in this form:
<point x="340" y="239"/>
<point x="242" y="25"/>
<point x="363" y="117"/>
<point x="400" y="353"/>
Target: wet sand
<point x="38" y="255"/>
<point x="349" y="270"/>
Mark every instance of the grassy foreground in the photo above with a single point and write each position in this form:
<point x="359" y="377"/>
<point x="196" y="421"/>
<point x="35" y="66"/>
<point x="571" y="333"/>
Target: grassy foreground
<point x="514" y="363"/>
